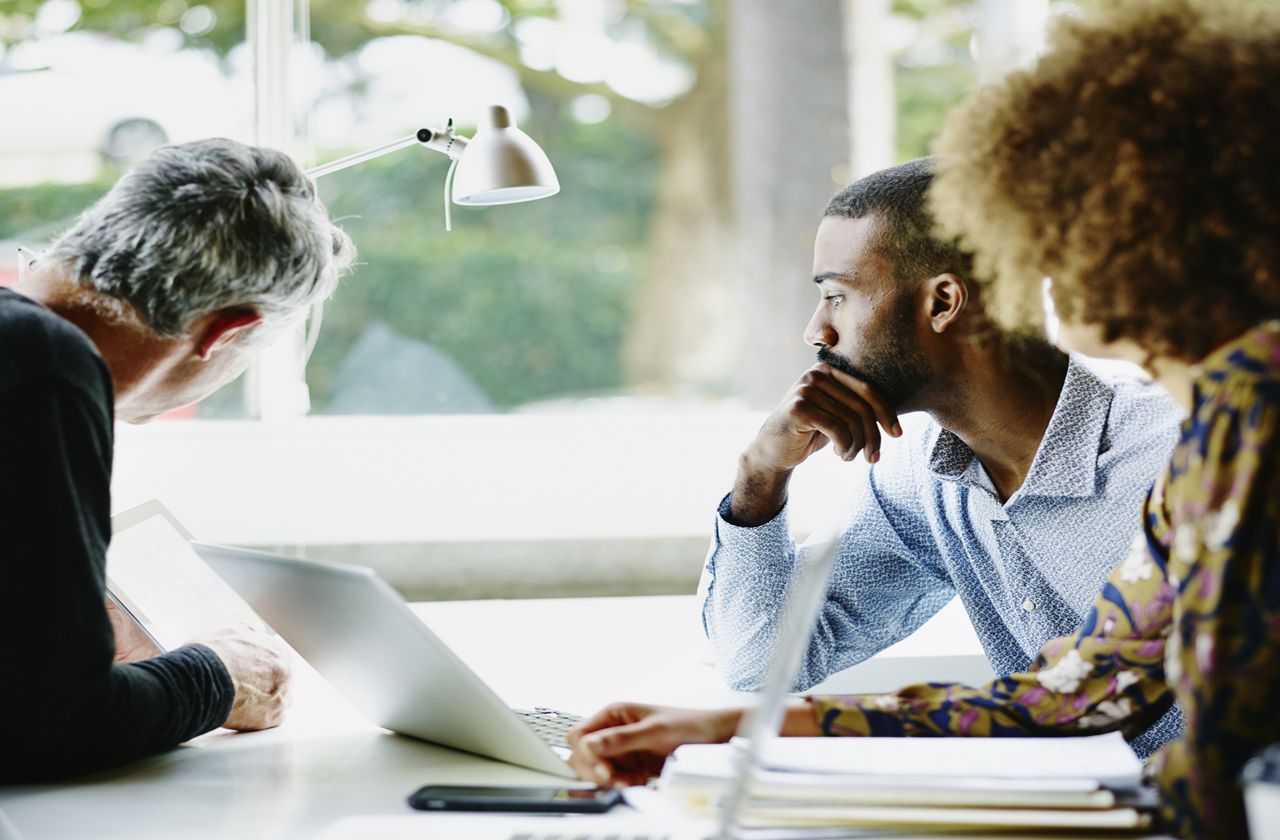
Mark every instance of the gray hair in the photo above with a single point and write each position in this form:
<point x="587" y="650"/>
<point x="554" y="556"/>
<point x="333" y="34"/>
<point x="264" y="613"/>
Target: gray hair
<point x="204" y="226"/>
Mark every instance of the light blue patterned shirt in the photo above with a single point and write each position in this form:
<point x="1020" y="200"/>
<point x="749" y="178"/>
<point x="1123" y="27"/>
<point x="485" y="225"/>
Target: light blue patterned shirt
<point x="927" y="524"/>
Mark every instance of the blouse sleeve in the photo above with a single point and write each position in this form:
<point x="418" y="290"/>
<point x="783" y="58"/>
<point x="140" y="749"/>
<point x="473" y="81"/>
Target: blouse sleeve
<point x="1224" y="656"/>
<point x="1107" y="676"/>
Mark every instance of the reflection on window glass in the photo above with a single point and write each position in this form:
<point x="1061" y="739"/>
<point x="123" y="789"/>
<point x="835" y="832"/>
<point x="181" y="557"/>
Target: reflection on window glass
<point x="90" y="89"/>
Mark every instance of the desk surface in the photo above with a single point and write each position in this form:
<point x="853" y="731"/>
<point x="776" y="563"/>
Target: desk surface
<point x="326" y="762"/>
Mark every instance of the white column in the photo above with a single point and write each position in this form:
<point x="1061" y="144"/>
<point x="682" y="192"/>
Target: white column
<point x="276" y="387"/>
<point x="872" y="109"/>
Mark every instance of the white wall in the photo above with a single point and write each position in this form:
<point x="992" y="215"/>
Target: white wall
<point x="423" y="479"/>
<point x="356" y="481"/>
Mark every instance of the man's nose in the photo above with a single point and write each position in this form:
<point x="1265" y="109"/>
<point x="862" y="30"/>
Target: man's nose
<point x="819" y="332"/>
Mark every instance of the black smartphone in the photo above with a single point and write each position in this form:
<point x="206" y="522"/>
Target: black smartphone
<point x="524" y="799"/>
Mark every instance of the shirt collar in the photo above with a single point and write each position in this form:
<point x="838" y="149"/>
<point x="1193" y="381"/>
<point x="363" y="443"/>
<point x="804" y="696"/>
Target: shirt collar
<point x="1066" y="462"/>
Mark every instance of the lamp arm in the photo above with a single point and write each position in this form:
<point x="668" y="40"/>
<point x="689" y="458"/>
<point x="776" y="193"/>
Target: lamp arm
<point x="447" y="142"/>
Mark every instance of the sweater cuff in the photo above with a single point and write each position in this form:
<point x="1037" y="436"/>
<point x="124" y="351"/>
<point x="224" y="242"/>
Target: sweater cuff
<point x="208" y="688"/>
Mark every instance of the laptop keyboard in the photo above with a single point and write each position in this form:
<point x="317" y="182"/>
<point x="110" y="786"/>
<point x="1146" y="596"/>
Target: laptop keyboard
<point x="553" y="727"/>
<point x="550" y="725"/>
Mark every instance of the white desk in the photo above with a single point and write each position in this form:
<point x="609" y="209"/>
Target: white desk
<point x="325" y="763"/>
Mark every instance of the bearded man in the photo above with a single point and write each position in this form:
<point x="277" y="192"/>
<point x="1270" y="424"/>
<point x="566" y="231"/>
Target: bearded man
<point x="1018" y="488"/>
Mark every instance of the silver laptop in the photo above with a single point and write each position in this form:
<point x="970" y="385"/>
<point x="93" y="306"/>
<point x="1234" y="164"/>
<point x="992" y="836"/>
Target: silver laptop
<point x="357" y="631"/>
<point x="800" y="617"/>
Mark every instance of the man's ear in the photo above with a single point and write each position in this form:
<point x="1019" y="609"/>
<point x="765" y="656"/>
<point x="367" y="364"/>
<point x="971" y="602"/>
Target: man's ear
<point x="221" y="328"/>
<point x="948" y="296"/>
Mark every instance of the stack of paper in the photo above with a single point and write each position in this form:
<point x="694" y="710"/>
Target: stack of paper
<point x="957" y="783"/>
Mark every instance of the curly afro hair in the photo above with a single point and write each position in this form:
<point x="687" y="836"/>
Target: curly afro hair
<point x="1138" y="166"/>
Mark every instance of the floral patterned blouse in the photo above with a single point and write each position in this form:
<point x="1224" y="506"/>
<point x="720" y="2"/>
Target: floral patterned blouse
<point x="1192" y="614"/>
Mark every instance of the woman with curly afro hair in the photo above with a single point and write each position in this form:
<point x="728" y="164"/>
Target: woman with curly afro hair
<point x="1136" y="165"/>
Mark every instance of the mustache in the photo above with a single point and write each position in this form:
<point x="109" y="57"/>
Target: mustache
<point x="840" y="363"/>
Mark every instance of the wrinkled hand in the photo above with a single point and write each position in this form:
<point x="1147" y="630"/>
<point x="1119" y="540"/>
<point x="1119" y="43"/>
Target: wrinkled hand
<point x="132" y="644"/>
<point x="627" y="743"/>
<point x="825" y="405"/>
<point x="261" y="670"/>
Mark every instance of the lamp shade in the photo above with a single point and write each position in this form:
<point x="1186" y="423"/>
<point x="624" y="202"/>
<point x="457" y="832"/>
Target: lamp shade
<point x="502" y="165"/>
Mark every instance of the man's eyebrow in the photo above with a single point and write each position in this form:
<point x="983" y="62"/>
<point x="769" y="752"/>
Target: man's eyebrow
<point x="832" y="275"/>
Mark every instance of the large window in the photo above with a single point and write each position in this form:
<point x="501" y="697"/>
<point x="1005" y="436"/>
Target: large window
<point x="696" y="143"/>
<point x="621" y="339"/>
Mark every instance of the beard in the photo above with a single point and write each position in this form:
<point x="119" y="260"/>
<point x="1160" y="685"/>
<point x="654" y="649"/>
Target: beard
<point x="891" y="363"/>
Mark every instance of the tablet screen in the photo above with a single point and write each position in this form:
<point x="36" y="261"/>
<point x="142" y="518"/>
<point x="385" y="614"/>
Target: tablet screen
<point x="155" y="576"/>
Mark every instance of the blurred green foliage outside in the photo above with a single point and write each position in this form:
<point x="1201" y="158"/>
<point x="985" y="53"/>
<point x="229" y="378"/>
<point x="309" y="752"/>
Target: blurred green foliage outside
<point x="531" y="300"/>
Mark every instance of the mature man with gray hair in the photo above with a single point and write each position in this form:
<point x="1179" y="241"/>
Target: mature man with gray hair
<point x="158" y="295"/>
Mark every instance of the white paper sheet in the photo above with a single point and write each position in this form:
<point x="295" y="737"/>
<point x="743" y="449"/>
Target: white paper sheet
<point x="1098" y="759"/>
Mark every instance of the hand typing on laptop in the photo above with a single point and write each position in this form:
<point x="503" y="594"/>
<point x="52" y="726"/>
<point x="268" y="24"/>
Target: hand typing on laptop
<point x="627" y="743"/>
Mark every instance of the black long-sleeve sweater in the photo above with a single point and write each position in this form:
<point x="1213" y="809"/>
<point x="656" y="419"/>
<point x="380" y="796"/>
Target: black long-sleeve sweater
<point x="65" y="708"/>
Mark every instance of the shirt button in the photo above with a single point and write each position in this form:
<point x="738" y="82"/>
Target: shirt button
<point x="1029" y="605"/>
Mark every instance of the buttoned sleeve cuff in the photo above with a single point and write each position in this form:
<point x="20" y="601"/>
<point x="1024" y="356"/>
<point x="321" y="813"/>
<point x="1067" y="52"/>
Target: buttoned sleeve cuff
<point x="743" y="587"/>
<point x="754" y="548"/>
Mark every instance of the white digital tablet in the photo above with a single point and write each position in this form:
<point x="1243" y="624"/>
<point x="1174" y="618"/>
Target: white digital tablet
<point x="158" y="579"/>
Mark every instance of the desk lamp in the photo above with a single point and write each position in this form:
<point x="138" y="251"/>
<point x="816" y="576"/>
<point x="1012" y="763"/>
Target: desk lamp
<point x="500" y="165"/>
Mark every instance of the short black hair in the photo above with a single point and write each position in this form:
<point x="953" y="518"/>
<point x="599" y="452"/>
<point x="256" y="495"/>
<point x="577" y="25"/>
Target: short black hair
<point x="897" y="196"/>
